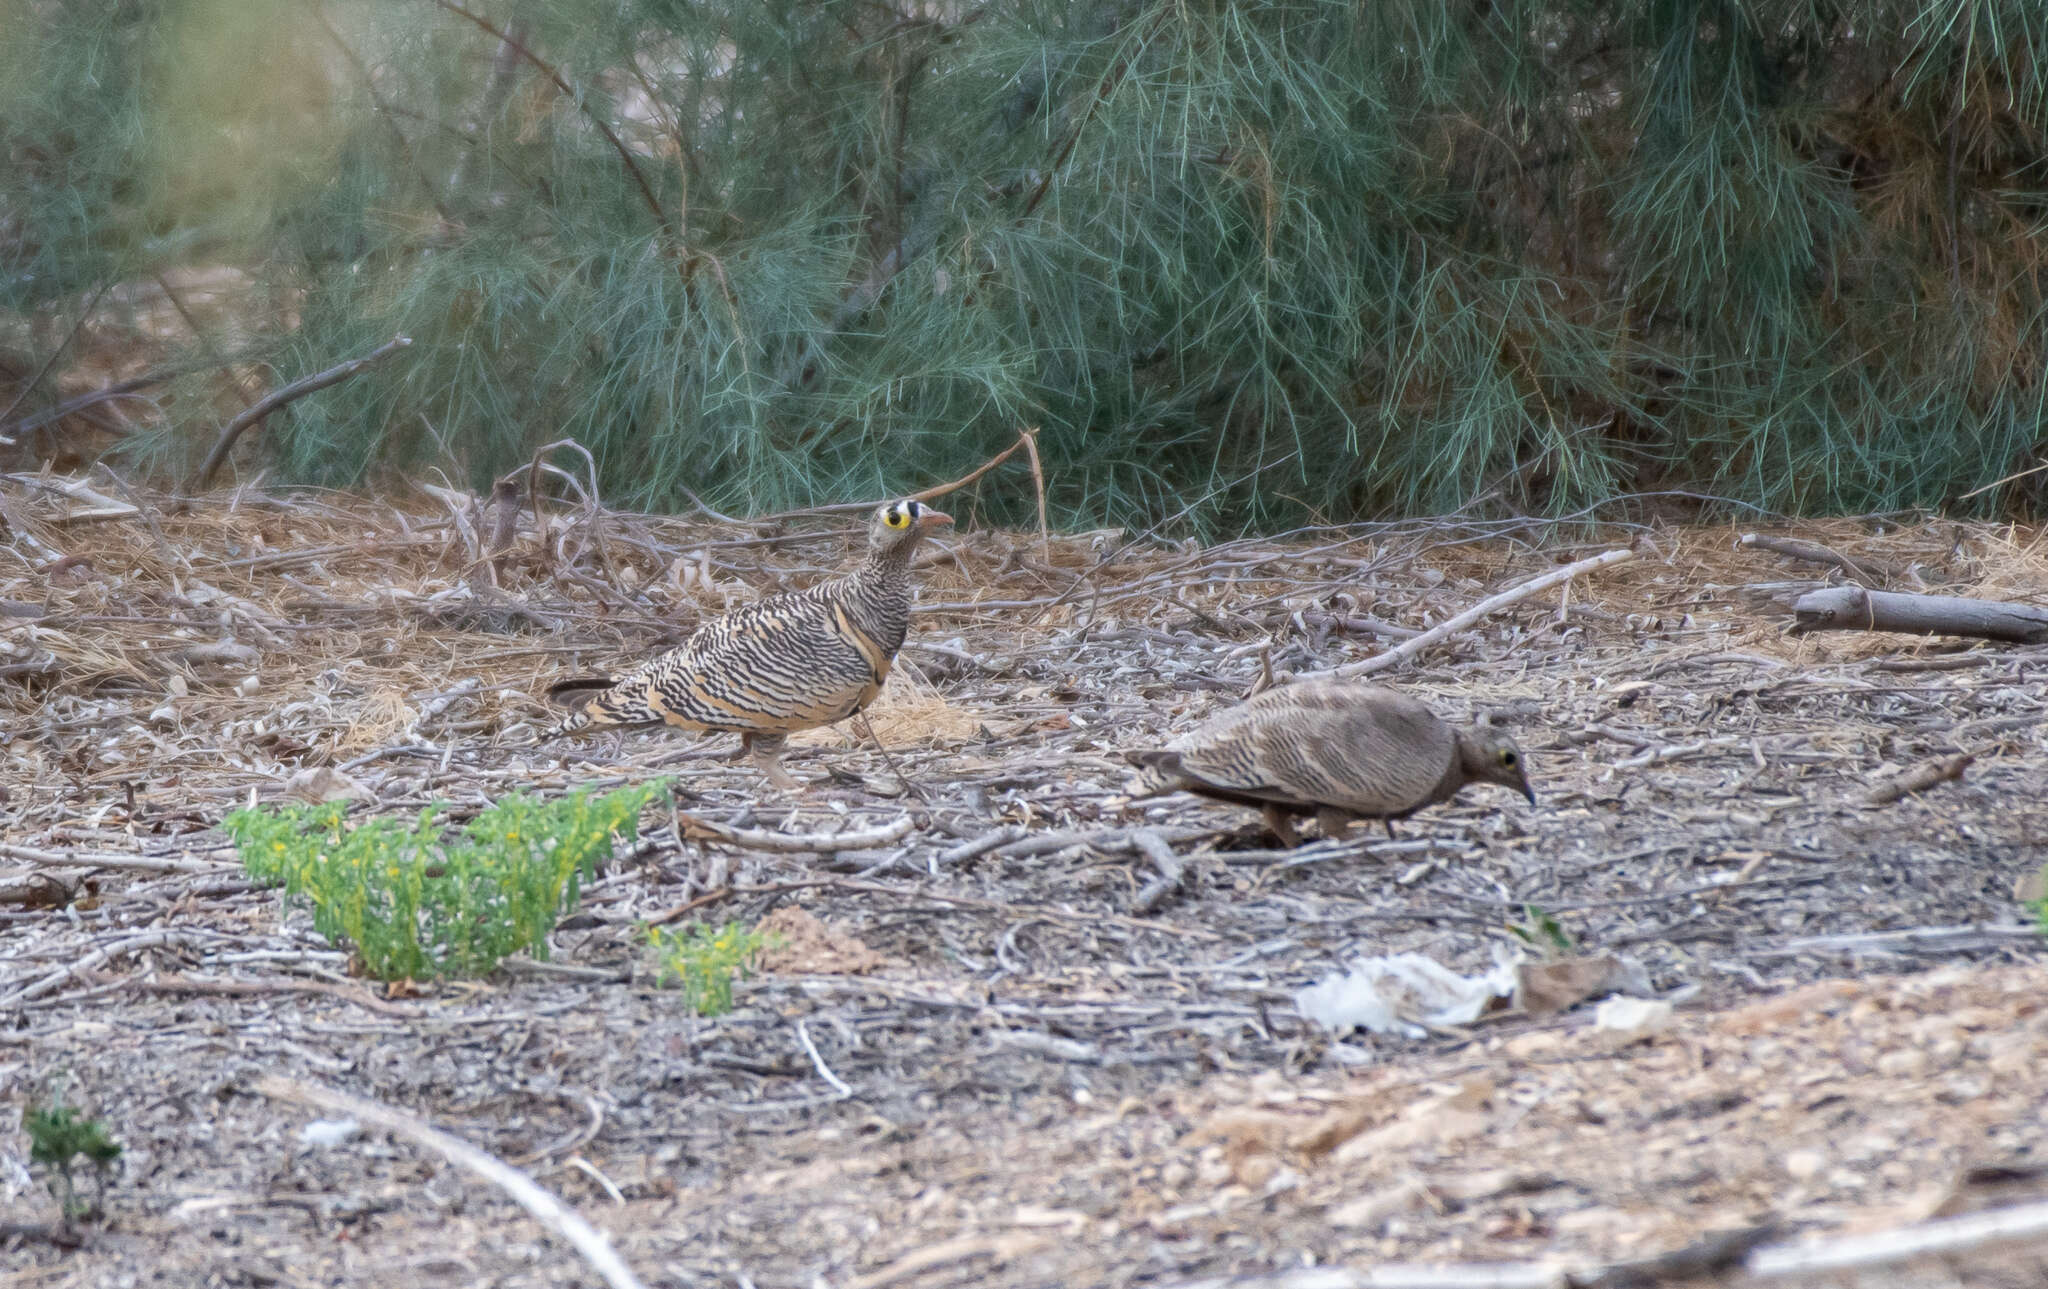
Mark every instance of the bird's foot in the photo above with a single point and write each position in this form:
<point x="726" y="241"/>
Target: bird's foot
<point x="1282" y="826"/>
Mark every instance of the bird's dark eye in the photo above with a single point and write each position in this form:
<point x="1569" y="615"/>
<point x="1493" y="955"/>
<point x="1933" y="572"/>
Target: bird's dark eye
<point x="897" y="519"/>
<point x="1507" y="758"/>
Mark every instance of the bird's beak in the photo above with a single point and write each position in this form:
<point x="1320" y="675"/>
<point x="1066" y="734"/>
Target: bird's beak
<point x="933" y="518"/>
<point x="1529" y="792"/>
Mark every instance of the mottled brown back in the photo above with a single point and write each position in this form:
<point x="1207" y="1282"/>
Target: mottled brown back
<point x="1313" y="744"/>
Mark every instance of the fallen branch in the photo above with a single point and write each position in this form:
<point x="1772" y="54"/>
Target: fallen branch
<point x="104" y="507"/>
<point x="1514" y="595"/>
<point x="1920" y="778"/>
<point x="1172" y="872"/>
<point x="992" y="840"/>
<point x="99" y="859"/>
<point x="279" y="397"/>
<point x="545" y="1208"/>
<point x="175" y="983"/>
<point x="1709" y="1256"/>
<point x="1885" y="1248"/>
<point x="1106" y="840"/>
<point x="1797" y="1262"/>
<point x="697" y="828"/>
<point x="61" y="1234"/>
<point x="37" y="890"/>
<point x="1852" y="608"/>
<point x="1815" y="553"/>
<point x="100" y="958"/>
<point x="1923" y="940"/>
<point x="1019" y="912"/>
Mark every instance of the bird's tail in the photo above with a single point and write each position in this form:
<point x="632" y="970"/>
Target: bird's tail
<point x="578" y="691"/>
<point x="598" y="701"/>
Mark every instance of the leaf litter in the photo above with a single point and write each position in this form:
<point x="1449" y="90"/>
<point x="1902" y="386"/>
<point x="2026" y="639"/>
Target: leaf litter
<point x="1046" y="1088"/>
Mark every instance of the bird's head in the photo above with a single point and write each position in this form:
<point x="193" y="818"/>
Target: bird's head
<point x="898" y="525"/>
<point x="1490" y="756"/>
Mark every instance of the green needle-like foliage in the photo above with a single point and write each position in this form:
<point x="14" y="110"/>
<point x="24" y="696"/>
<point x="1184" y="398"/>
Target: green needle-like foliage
<point x="1246" y="263"/>
<point x="415" y="902"/>
<point x="58" y="1138"/>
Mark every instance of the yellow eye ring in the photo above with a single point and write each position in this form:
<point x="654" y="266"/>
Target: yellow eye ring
<point x="897" y="519"/>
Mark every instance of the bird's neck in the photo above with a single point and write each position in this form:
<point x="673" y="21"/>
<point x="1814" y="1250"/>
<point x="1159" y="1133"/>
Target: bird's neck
<point x="1466" y="763"/>
<point x="889" y="568"/>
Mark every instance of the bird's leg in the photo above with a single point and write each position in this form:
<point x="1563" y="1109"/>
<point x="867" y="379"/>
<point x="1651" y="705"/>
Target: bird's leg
<point x="1334" y="823"/>
<point x="1390" y="828"/>
<point x="766" y="751"/>
<point x="1282" y="827"/>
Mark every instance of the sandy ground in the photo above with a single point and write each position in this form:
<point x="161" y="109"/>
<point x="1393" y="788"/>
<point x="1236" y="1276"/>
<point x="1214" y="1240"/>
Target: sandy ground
<point x="996" y="1050"/>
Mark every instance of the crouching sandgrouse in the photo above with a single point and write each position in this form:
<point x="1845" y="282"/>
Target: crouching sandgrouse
<point x="1335" y="749"/>
<point x="788" y="662"/>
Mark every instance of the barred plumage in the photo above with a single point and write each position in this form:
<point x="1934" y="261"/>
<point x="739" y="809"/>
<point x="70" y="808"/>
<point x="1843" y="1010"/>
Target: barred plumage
<point x="790" y="662"/>
<point x="1335" y="749"/>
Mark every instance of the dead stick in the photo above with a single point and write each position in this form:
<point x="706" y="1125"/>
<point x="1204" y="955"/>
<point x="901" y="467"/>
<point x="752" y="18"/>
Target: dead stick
<point x="1852" y="608"/>
<point x="1030" y="438"/>
<point x="97" y="959"/>
<point x="1919" y="779"/>
<point x="981" y="845"/>
<point x="697" y="828"/>
<point x="177" y="983"/>
<point x="1025" y="440"/>
<point x="94" y="859"/>
<point x="1797" y="1262"/>
<point x="279" y="397"/>
<point x="1886" y="1248"/>
<point x="545" y="1208"/>
<point x="1535" y="586"/>
<point x="1814" y="553"/>
<point x="1041" y="911"/>
<point x="1171" y="871"/>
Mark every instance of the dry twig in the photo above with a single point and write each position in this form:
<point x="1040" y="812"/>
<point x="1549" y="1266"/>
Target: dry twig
<point x="1871" y="575"/>
<point x="545" y="1208"/>
<point x="1493" y="604"/>
<point x="697" y="828"/>
<point x="1172" y="872"/>
<point x="284" y="394"/>
<point x="97" y="959"/>
<point x="100" y="859"/>
<point x="1920" y="778"/>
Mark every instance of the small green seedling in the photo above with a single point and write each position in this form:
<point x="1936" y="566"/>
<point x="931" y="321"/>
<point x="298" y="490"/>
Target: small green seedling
<point x="417" y="902"/>
<point x="703" y="959"/>
<point x="1540" y="931"/>
<point x="58" y="1138"/>
<point x="2040" y="906"/>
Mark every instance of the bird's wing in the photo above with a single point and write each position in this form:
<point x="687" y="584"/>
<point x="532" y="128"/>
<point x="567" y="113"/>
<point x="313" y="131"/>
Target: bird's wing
<point x="1367" y="751"/>
<point x="786" y="663"/>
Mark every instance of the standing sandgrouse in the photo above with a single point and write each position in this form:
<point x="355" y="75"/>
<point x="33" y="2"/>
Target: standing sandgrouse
<point x="1335" y="749"/>
<point x="789" y="662"/>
